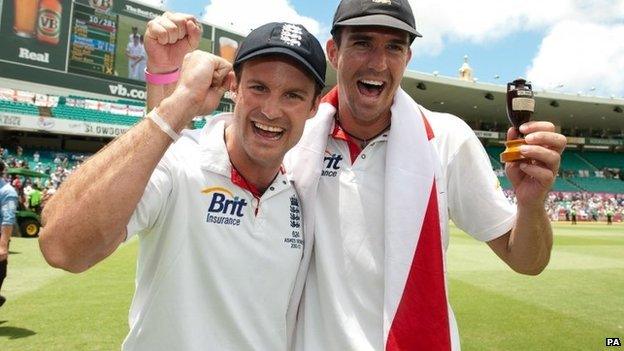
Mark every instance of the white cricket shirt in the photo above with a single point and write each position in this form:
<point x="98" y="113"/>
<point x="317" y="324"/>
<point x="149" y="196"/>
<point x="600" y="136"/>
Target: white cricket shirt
<point x="343" y="299"/>
<point x="212" y="274"/>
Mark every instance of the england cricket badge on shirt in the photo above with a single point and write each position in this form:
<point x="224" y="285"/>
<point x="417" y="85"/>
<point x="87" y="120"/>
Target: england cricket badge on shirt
<point x="294" y="239"/>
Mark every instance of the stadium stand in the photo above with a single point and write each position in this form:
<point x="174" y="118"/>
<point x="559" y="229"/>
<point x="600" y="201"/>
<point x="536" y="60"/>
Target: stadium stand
<point x="199" y="123"/>
<point x="562" y="184"/>
<point x="580" y="171"/>
<point x="590" y="182"/>
<point x="601" y="185"/>
<point x="494" y="153"/>
<point x="74" y="107"/>
<point x="19" y="107"/>
<point x="85" y="114"/>
<point x="602" y="160"/>
<point x="572" y="160"/>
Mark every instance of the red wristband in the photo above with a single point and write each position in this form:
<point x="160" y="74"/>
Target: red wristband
<point x="161" y="79"/>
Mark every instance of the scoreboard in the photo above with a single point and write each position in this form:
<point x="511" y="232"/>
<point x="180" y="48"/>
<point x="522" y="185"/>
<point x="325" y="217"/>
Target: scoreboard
<point x="92" y="47"/>
<point x="92" y="44"/>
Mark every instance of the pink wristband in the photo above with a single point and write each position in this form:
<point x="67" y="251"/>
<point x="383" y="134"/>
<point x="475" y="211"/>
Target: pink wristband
<point x="162" y="79"/>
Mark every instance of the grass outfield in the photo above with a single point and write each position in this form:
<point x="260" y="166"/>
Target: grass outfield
<point x="573" y="305"/>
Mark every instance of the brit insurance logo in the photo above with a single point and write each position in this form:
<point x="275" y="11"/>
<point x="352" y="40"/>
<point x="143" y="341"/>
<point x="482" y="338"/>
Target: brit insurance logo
<point x="294" y="239"/>
<point x="224" y="208"/>
<point x="331" y="162"/>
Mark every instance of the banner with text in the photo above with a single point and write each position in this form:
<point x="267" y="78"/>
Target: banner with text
<point x="35" y="32"/>
<point x="60" y="126"/>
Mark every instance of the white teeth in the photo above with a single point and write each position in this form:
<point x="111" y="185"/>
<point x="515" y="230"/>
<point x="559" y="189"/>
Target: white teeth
<point x="268" y="128"/>
<point x="372" y="82"/>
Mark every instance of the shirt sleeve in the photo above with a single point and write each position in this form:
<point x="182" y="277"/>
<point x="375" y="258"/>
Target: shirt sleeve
<point x="8" y="210"/>
<point x="477" y="204"/>
<point x="153" y="201"/>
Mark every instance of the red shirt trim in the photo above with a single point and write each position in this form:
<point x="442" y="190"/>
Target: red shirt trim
<point x="240" y="181"/>
<point x="428" y="128"/>
<point x="338" y="133"/>
<point x="331" y="97"/>
<point x="354" y="147"/>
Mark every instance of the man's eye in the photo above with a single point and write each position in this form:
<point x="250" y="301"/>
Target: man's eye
<point x="396" y="47"/>
<point x="294" y="96"/>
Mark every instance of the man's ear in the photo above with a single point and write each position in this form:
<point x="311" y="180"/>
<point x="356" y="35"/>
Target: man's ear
<point x="332" y="52"/>
<point x="234" y="89"/>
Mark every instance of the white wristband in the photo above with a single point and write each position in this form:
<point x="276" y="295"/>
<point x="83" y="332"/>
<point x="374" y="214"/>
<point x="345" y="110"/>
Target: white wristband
<point x="164" y="126"/>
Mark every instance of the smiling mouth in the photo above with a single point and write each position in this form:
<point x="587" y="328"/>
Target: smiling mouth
<point x="372" y="88"/>
<point x="267" y="131"/>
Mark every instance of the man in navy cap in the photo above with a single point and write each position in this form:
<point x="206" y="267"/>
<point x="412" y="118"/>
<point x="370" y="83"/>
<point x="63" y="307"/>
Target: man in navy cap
<point x="378" y="192"/>
<point x="218" y="220"/>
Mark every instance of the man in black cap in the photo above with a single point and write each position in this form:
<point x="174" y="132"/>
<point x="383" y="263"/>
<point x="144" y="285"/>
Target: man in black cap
<point x="378" y="192"/>
<point x="218" y="220"/>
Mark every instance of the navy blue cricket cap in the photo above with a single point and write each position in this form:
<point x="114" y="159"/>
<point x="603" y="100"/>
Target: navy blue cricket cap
<point x="292" y="40"/>
<point x="384" y="13"/>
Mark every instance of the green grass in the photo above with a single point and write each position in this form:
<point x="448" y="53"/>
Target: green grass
<point x="573" y="305"/>
<point x="48" y="309"/>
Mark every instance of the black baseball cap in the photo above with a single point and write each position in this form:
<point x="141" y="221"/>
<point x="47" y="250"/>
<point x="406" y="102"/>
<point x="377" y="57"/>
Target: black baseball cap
<point x="385" y="13"/>
<point x="292" y="40"/>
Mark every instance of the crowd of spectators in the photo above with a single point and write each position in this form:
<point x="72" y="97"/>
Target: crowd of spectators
<point x="582" y="206"/>
<point x="33" y="192"/>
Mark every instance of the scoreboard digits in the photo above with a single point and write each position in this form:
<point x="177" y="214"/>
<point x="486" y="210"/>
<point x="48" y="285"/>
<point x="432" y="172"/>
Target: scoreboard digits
<point x="93" y="40"/>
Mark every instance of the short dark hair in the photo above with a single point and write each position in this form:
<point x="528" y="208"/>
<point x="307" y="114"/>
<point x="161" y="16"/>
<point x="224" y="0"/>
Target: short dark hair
<point x="318" y="88"/>
<point x="2" y="167"/>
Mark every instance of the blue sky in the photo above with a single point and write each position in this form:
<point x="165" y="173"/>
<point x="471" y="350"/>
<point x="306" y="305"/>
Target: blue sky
<point x="571" y="46"/>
